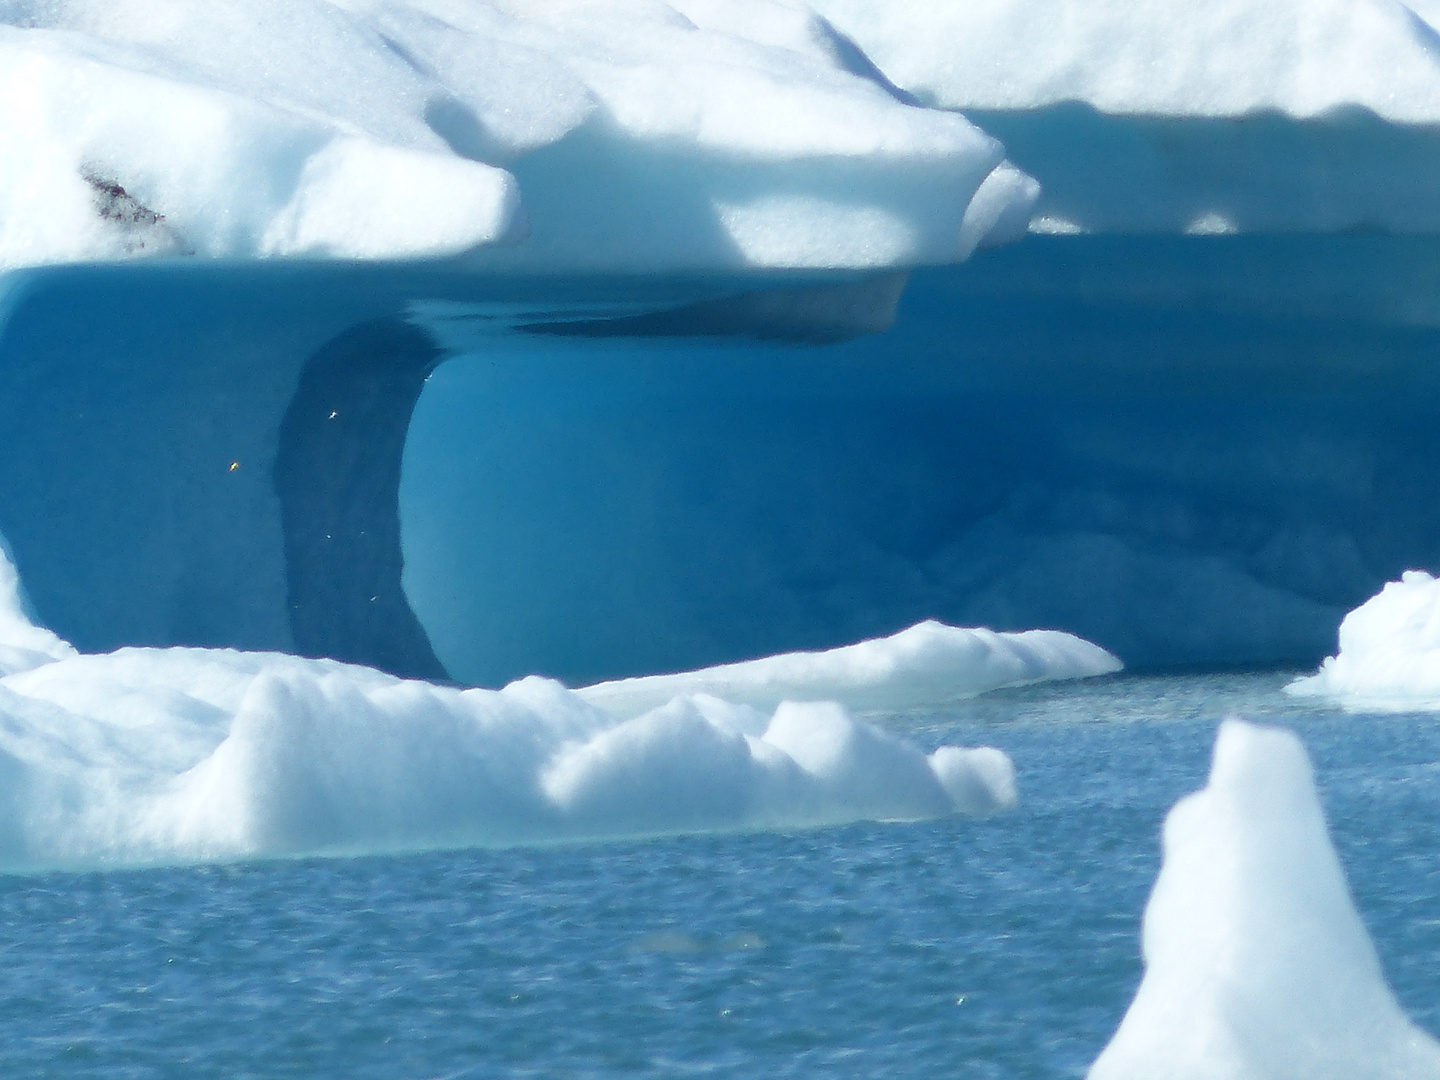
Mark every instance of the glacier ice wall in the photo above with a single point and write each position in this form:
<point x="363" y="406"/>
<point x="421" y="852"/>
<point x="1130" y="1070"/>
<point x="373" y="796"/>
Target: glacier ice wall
<point x="1256" y="961"/>
<point x="1189" y="450"/>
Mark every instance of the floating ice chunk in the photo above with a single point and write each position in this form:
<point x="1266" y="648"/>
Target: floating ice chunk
<point x="928" y="664"/>
<point x="1389" y="656"/>
<point x="147" y="755"/>
<point x="1257" y="966"/>
<point x="154" y="755"/>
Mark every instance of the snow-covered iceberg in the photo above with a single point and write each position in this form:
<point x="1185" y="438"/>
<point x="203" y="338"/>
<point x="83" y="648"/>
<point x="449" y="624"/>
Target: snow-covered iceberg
<point x="1389" y="656"/>
<point x="928" y="664"/>
<point x="157" y="755"/>
<point x="1257" y="966"/>
<point x="609" y="136"/>
<point x="1165" y="116"/>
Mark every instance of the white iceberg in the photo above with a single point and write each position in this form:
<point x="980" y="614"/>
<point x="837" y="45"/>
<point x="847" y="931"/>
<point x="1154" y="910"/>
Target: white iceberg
<point x="642" y="135"/>
<point x="1257" y="966"/>
<point x="929" y="664"/>
<point x="161" y="755"/>
<point x="1389" y="656"/>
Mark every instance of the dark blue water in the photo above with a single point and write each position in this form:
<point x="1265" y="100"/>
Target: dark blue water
<point x="1002" y="948"/>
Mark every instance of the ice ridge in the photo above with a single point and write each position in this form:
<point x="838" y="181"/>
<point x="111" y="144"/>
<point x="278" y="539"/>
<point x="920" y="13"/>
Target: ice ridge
<point x="927" y="665"/>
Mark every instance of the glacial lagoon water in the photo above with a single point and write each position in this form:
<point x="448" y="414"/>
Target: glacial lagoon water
<point x="1002" y="948"/>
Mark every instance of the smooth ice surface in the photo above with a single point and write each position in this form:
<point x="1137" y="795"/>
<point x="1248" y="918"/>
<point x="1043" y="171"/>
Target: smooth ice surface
<point x="1257" y="964"/>
<point x="1169" y="116"/>
<point x="635" y="135"/>
<point x="1389" y="655"/>
<point x="928" y="664"/>
<point x="155" y="755"/>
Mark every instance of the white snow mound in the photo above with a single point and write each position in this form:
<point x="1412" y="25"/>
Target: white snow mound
<point x="1257" y="966"/>
<point x="929" y="664"/>
<point x="163" y="755"/>
<point x="1173" y="117"/>
<point x="643" y="135"/>
<point x="1389" y="656"/>
<point x="1158" y="57"/>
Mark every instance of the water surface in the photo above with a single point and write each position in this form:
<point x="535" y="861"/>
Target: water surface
<point x="1000" y="948"/>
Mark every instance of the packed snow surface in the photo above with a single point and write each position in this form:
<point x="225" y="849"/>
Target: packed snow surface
<point x="1389" y="654"/>
<point x="153" y="755"/>
<point x="1173" y="117"/>
<point x="1217" y="58"/>
<point x="640" y="134"/>
<point x="929" y="664"/>
<point x="1257" y="966"/>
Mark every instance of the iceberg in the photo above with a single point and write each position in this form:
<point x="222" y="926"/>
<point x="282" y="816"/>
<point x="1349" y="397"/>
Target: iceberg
<point x="1389" y="656"/>
<point x="597" y="339"/>
<point x="1156" y="116"/>
<point x="927" y="665"/>
<point x="636" y="136"/>
<point x="175" y="755"/>
<point x="1256" y="962"/>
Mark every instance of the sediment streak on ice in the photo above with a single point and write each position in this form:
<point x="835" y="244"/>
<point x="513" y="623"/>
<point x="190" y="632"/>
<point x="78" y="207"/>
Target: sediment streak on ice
<point x="926" y="665"/>
<point x="1257" y="966"/>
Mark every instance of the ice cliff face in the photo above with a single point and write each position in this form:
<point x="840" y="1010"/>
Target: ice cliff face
<point x="603" y="135"/>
